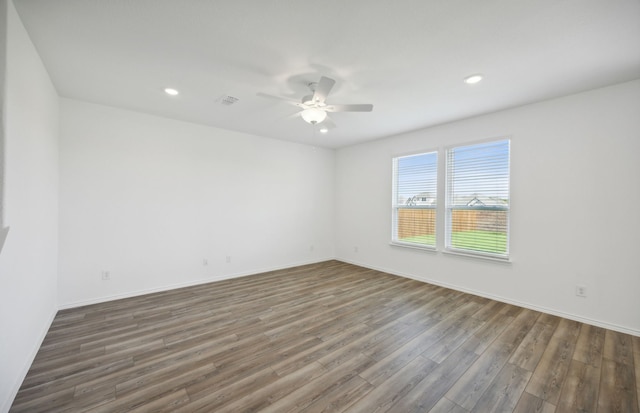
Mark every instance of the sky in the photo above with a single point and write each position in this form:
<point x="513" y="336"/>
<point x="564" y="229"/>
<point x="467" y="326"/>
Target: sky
<point x="418" y="173"/>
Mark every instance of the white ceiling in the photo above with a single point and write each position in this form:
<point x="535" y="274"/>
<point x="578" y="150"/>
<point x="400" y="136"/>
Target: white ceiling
<point x="407" y="57"/>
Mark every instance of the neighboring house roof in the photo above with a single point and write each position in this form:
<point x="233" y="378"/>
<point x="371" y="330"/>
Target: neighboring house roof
<point x="428" y="199"/>
<point x="423" y="198"/>
<point x="479" y="201"/>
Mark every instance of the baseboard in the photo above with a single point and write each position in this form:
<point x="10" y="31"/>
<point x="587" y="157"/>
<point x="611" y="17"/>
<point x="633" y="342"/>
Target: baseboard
<point x="590" y="321"/>
<point x="191" y="283"/>
<point x="34" y="351"/>
<point x="574" y="317"/>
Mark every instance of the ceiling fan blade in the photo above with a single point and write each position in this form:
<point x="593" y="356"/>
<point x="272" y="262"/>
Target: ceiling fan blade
<point x="327" y="123"/>
<point x="349" y="108"/>
<point x="281" y="98"/>
<point x="294" y="115"/>
<point x="323" y="88"/>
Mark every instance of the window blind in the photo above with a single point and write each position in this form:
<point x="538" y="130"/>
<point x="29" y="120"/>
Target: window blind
<point x="477" y="208"/>
<point x="415" y="199"/>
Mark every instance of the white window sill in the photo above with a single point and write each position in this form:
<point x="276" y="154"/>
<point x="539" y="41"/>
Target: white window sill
<point x="428" y="248"/>
<point x="413" y="246"/>
<point x="504" y="260"/>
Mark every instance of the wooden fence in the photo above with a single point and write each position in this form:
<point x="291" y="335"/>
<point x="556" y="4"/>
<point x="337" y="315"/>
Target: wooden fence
<point x="417" y="222"/>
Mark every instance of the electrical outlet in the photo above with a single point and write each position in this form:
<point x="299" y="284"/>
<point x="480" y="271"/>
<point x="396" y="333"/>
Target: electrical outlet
<point x="106" y="275"/>
<point x="228" y="259"/>
<point x="311" y="248"/>
<point x="205" y="261"/>
<point x="581" y="290"/>
<point x="355" y="249"/>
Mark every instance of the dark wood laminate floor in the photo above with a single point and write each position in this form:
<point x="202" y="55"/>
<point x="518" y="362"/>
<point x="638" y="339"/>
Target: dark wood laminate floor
<point x="329" y="337"/>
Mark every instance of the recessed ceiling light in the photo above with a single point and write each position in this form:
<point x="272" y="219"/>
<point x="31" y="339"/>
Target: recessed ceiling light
<point x="170" y="91"/>
<point x="324" y="130"/>
<point x="472" y="79"/>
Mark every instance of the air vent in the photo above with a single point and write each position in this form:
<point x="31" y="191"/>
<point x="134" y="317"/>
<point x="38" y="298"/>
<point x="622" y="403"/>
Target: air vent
<point x="227" y="100"/>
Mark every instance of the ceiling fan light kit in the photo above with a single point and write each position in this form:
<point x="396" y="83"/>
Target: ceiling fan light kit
<point x="313" y="115"/>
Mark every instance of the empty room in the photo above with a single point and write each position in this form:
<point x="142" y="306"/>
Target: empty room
<point x="340" y="206"/>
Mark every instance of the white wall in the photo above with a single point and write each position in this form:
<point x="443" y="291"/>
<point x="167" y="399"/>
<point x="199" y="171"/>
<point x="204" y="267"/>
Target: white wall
<point x="149" y="198"/>
<point x="3" y="65"/>
<point x="575" y="197"/>
<point x="28" y="262"/>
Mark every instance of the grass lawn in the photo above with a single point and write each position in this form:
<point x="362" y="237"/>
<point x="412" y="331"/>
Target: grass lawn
<point x="421" y="239"/>
<point x="469" y="240"/>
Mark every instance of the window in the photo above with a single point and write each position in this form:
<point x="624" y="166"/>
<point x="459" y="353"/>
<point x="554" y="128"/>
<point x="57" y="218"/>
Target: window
<point x="415" y="200"/>
<point x="477" y="207"/>
<point x="475" y="216"/>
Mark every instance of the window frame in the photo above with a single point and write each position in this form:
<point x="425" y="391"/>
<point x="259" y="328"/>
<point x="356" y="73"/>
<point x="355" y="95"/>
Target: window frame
<point x="448" y="209"/>
<point x="395" y="207"/>
<point x="442" y="208"/>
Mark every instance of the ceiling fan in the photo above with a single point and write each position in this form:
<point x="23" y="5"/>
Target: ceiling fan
<point x="315" y="107"/>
